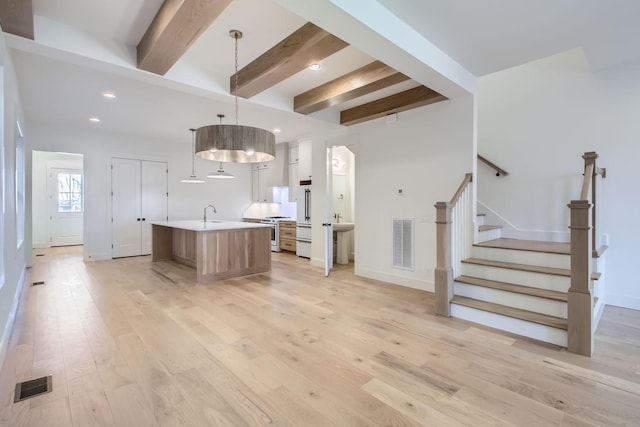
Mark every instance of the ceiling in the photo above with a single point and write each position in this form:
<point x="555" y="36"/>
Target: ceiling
<point x="84" y="48"/>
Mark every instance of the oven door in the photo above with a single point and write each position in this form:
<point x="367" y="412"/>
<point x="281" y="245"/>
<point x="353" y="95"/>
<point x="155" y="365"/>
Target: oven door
<point x="275" y="247"/>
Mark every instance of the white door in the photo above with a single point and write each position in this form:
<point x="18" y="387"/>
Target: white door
<point x="154" y="199"/>
<point x="125" y="208"/>
<point x="328" y="223"/>
<point x="65" y="206"/>
<point x="138" y="197"/>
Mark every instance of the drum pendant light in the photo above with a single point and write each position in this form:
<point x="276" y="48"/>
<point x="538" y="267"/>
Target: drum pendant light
<point x="235" y="143"/>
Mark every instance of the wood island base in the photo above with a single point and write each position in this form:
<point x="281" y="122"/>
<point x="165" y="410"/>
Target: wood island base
<point x="216" y="253"/>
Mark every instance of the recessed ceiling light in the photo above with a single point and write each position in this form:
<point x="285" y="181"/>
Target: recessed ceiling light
<point x="276" y="130"/>
<point x="109" y="95"/>
<point x="314" y="67"/>
<point x="94" y="119"/>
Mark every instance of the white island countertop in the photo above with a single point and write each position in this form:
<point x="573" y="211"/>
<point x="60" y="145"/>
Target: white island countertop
<point x="211" y="225"/>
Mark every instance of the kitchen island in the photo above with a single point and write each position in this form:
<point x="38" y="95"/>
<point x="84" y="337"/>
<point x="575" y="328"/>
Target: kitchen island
<point x="216" y="249"/>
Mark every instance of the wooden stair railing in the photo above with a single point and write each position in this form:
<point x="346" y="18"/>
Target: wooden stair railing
<point x="498" y="169"/>
<point x="583" y="241"/>
<point x="454" y="236"/>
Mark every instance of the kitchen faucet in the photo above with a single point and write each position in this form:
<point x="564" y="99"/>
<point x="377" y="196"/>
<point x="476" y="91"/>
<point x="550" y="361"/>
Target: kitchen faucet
<point x="204" y="215"/>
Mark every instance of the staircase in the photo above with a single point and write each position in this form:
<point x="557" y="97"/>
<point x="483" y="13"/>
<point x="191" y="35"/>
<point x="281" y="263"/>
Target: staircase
<point x="542" y="290"/>
<point x="519" y="286"/>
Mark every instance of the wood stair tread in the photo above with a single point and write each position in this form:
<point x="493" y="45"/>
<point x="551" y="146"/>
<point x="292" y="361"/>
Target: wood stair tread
<point x="529" y="316"/>
<point x="489" y="227"/>
<point x="511" y="287"/>
<point x="522" y="267"/>
<point x="527" y="245"/>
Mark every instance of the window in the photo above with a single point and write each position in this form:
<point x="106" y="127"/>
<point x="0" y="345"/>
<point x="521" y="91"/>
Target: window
<point x="69" y="192"/>
<point x="20" y="221"/>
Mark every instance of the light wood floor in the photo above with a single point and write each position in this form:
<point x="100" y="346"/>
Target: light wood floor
<point x="135" y="343"/>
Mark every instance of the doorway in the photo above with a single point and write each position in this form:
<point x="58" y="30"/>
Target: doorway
<point x="342" y="200"/>
<point x="58" y="199"/>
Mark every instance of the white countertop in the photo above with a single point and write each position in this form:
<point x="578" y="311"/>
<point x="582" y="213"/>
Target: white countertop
<point x="198" y="225"/>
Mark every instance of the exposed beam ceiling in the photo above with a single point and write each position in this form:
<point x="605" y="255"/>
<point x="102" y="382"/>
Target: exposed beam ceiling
<point x="16" y="17"/>
<point x="365" y="80"/>
<point x="175" y="27"/>
<point x="412" y="98"/>
<point x="307" y="45"/>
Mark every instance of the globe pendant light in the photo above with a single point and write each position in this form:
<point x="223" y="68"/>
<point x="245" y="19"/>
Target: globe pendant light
<point x="235" y="143"/>
<point x="220" y="174"/>
<point x="193" y="179"/>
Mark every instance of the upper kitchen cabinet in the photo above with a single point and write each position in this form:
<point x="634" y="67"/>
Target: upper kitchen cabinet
<point x="293" y="154"/>
<point x="304" y="161"/>
<point x="266" y="175"/>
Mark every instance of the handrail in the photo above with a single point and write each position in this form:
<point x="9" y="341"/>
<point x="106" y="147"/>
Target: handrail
<point x="468" y="177"/>
<point x="498" y="169"/>
<point x="586" y="182"/>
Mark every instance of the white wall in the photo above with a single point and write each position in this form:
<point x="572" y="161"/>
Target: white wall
<point x="42" y="160"/>
<point x="186" y="201"/>
<point x="426" y="154"/>
<point x="14" y="257"/>
<point x="535" y="121"/>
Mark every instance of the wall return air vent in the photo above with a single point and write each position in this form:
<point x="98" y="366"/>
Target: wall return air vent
<point x="403" y="244"/>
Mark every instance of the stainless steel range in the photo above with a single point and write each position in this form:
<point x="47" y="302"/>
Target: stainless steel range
<point x="275" y="230"/>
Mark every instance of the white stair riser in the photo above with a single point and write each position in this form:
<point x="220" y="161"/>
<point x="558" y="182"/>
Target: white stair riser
<point x="522" y="257"/>
<point x="486" y="235"/>
<point x="518" y="277"/>
<point x="509" y="324"/>
<point x="511" y="299"/>
<point x="480" y="220"/>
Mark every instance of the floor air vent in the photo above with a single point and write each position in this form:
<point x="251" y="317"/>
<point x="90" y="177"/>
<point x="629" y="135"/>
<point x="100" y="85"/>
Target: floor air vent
<point x="38" y="283"/>
<point x="39" y="254"/>
<point x="32" y="388"/>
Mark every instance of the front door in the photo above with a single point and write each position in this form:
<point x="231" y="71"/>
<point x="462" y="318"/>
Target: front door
<point x="66" y="206"/>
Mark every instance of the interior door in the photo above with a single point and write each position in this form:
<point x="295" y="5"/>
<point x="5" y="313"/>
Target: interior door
<point x="153" y="199"/>
<point x="66" y="207"/>
<point x="328" y="223"/>
<point x="125" y="208"/>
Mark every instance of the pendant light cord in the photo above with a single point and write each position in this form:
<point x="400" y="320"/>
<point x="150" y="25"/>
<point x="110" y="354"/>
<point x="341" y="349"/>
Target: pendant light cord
<point x="193" y="150"/>
<point x="236" y="84"/>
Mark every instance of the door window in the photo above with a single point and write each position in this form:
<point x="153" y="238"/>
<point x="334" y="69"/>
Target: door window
<point x="69" y="192"/>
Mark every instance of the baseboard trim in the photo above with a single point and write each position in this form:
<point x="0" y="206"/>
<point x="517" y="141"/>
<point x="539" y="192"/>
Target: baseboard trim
<point x="623" y="301"/>
<point x="396" y="280"/>
<point x="8" y="328"/>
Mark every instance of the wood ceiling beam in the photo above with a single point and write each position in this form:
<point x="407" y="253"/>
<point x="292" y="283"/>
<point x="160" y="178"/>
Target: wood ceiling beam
<point x="16" y="17"/>
<point x="365" y="80"/>
<point x="175" y="27"/>
<point x="412" y="98"/>
<point x="307" y="45"/>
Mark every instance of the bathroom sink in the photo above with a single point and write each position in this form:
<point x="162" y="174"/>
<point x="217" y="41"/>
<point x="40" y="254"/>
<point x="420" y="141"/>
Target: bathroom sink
<point x="343" y="226"/>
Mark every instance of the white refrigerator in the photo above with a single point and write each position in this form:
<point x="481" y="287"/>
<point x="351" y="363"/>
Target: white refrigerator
<point x="303" y="225"/>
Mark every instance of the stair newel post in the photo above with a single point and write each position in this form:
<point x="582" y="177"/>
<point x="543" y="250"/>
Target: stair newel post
<point x="443" y="276"/>
<point x="580" y="298"/>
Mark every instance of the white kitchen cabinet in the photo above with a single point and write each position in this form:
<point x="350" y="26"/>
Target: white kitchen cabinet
<point x="304" y="161"/>
<point x="261" y="190"/>
<point x="266" y="175"/>
<point x="294" y="182"/>
<point x="138" y="197"/>
<point x="293" y="154"/>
